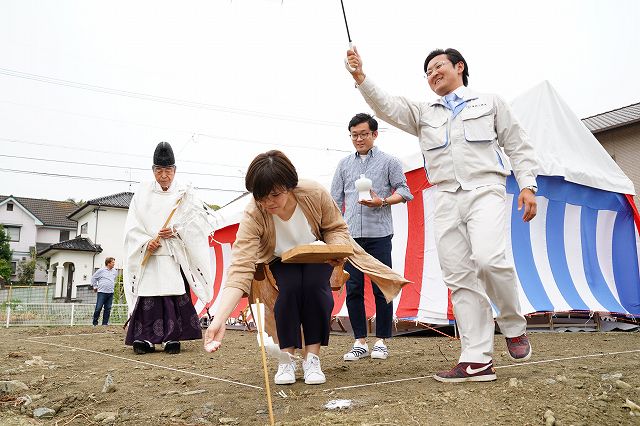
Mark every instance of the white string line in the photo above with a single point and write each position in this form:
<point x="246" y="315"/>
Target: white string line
<point x="70" y="335"/>
<point x="502" y="366"/>
<point x="146" y="363"/>
<point x="377" y="383"/>
<point x="567" y="358"/>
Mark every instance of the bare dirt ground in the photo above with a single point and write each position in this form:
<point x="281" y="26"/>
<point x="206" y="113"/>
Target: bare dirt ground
<point x="575" y="378"/>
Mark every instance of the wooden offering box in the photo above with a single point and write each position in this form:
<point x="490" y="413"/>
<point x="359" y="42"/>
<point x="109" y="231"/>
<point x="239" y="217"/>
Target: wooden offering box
<point x="316" y="253"/>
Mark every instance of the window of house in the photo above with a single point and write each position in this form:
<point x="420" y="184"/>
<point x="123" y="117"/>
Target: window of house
<point x="14" y="266"/>
<point x="13" y="232"/>
<point x="84" y="229"/>
<point x="9" y="207"/>
<point x="64" y="235"/>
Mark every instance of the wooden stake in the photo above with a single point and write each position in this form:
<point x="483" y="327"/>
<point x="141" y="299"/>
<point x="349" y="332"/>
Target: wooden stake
<point x="264" y="362"/>
<point x="147" y="255"/>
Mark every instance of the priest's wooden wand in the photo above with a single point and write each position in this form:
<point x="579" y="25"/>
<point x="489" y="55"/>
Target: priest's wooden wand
<point x="260" y="324"/>
<point x="147" y="255"/>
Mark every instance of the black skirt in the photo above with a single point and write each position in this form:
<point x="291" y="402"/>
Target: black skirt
<point x="161" y="319"/>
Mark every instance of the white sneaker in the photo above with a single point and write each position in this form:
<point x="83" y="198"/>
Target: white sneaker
<point x="286" y="374"/>
<point x="359" y="350"/>
<point x="380" y="350"/>
<point x="313" y="374"/>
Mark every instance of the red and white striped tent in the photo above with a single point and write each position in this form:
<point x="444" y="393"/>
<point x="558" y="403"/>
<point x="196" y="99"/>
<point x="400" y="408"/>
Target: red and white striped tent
<point x="579" y="254"/>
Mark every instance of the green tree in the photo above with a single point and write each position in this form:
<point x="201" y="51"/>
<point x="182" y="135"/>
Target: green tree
<point x="76" y="202"/>
<point x="118" y="290"/>
<point x="5" y="256"/>
<point x="27" y="268"/>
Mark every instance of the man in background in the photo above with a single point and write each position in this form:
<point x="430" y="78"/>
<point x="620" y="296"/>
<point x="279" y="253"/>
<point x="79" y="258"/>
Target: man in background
<point x="370" y="224"/>
<point x="103" y="282"/>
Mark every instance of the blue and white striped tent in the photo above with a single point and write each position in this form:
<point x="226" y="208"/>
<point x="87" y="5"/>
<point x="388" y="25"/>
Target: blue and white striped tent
<point x="581" y="251"/>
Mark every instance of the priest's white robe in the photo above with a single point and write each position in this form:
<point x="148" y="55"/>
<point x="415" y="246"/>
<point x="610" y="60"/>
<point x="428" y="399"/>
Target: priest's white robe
<point x="189" y="249"/>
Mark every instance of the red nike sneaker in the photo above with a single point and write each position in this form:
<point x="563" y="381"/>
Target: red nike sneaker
<point x="519" y="347"/>
<point x="468" y="372"/>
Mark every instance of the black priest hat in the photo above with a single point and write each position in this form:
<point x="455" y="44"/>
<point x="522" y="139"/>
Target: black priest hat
<point x="163" y="155"/>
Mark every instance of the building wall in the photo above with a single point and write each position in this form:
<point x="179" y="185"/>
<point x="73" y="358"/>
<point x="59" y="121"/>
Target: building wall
<point x="90" y="219"/>
<point x="82" y="273"/>
<point x="27" y="231"/>
<point x="110" y="233"/>
<point x="623" y="144"/>
<point x="52" y="235"/>
<point x="111" y="236"/>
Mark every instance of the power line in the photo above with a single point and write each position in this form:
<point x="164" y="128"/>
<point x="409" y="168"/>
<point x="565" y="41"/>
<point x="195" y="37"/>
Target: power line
<point x="112" y="166"/>
<point x="381" y="129"/>
<point x="163" y="99"/>
<point x="272" y="144"/>
<point x="75" y="148"/>
<point x="93" y="151"/>
<point x="99" y="179"/>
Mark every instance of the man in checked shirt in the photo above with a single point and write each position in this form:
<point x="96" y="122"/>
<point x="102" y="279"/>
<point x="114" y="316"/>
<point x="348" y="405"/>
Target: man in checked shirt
<point x="370" y="224"/>
<point x="103" y="282"/>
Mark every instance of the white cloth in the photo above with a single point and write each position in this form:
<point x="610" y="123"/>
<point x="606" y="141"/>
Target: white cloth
<point x="564" y="144"/>
<point x="293" y="232"/>
<point x="470" y="230"/>
<point x="160" y="276"/>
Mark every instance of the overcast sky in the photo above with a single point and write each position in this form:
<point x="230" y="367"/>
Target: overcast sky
<point x="88" y="88"/>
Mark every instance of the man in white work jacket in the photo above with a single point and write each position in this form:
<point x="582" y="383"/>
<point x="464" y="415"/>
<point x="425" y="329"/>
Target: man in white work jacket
<point x="461" y="135"/>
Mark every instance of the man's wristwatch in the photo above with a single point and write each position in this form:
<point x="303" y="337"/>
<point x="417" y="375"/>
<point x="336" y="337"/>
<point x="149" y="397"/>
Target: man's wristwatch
<point x="532" y="188"/>
<point x="385" y="203"/>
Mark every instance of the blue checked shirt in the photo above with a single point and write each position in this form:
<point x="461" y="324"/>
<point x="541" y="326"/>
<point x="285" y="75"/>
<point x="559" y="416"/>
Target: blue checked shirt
<point x="104" y="279"/>
<point x="385" y="171"/>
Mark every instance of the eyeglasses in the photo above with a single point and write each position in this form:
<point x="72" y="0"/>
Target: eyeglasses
<point x="159" y="170"/>
<point x="436" y="67"/>
<point x="362" y="136"/>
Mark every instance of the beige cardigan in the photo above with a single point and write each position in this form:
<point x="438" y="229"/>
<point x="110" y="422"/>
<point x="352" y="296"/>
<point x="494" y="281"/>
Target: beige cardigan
<point x="256" y="240"/>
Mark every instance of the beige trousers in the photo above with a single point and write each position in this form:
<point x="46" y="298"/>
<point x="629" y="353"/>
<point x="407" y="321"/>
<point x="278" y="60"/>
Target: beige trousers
<point x="471" y="241"/>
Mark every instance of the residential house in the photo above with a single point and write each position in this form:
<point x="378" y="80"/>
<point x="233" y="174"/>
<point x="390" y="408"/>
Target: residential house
<point x="100" y="225"/>
<point x="619" y="133"/>
<point x="33" y="224"/>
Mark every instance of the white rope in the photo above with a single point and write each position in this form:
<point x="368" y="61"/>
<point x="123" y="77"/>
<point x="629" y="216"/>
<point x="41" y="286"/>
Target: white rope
<point x="502" y="366"/>
<point x="71" y="335"/>
<point x="567" y="358"/>
<point x="145" y="363"/>
<point x="378" y="383"/>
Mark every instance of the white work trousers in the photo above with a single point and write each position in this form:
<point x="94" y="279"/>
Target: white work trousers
<point x="471" y="241"/>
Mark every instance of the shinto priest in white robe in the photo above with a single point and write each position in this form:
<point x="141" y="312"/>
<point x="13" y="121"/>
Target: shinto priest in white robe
<point x="192" y="222"/>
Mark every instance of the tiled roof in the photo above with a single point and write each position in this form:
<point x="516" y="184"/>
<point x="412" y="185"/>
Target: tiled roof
<point x="50" y="212"/>
<point x="612" y="119"/>
<point x="120" y="200"/>
<point x="41" y="246"/>
<point x="76" y="244"/>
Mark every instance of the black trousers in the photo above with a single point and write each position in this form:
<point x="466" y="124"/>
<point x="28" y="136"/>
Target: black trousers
<point x="380" y="248"/>
<point x="304" y="299"/>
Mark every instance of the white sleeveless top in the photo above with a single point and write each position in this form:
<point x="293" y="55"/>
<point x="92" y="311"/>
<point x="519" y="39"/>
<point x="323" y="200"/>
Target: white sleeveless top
<point x="293" y="232"/>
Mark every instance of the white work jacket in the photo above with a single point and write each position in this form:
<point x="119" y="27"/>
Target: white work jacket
<point x="470" y="157"/>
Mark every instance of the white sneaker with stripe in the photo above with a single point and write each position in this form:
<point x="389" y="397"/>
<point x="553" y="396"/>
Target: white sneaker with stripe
<point x="358" y="351"/>
<point x="380" y="350"/>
